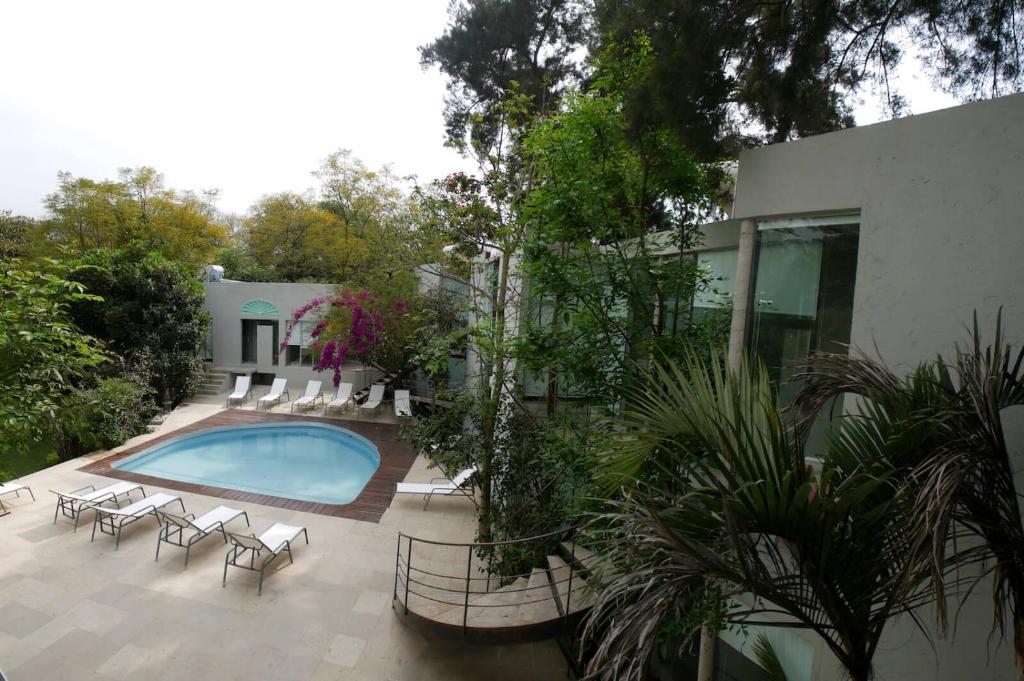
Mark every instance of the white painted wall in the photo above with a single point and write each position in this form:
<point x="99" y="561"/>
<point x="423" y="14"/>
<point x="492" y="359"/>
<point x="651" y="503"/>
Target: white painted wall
<point x="224" y="301"/>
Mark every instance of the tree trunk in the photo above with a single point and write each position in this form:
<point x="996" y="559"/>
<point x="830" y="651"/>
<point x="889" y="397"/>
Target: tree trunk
<point x="493" y="404"/>
<point x="1018" y="639"/>
<point x="706" y="661"/>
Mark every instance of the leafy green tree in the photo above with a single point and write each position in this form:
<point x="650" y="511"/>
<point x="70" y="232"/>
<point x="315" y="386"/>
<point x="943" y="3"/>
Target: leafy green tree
<point x="730" y="73"/>
<point x="43" y="354"/>
<point x="291" y="238"/>
<point x="606" y="205"/>
<point x="493" y="48"/>
<point x="361" y="198"/>
<point x="84" y="214"/>
<point x="14" y="233"/>
<point x="151" y="313"/>
<point x="103" y="416"/>
<point x="360" y="231"/>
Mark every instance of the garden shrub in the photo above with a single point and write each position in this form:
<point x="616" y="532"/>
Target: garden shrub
<point x="103" y="417"/>
<point x="151" y="314"/>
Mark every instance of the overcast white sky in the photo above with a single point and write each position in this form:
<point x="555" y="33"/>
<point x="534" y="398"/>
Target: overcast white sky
<point x="244" y="97"/>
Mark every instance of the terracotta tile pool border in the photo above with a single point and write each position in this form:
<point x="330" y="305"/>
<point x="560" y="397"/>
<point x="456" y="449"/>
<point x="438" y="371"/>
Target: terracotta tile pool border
<point x="396" y="458"/>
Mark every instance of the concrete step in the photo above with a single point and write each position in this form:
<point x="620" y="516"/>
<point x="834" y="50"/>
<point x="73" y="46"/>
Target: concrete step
<point x="431" y="602"/>
<point x="560" y="575"/>
<point x="579" y="555"/>
<point x="496" y="609"/>
<point x="539" y="587"/>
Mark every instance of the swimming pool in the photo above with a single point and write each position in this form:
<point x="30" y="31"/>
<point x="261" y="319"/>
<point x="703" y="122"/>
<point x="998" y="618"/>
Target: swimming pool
<point x="307" y="461"/>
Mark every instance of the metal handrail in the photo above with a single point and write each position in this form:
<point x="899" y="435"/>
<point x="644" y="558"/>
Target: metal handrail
<point x="478" y="605"/>
<point x="435" y="574"/>
<point x="484" y="593"/>
<point x="481" y="544"/>
<point x="405" y="579"/>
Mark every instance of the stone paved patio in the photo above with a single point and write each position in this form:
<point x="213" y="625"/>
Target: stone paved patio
<point x="75" y="610"/>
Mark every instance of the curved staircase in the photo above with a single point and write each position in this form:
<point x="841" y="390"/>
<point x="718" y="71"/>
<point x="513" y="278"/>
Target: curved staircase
<point x="479" y="606"/>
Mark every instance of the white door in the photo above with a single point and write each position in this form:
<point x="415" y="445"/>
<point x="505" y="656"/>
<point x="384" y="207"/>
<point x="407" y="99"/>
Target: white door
<point x="264" y="348"/>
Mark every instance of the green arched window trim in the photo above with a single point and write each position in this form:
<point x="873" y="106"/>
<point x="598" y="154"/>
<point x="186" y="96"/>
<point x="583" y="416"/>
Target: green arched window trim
<point x="260" y="308"/>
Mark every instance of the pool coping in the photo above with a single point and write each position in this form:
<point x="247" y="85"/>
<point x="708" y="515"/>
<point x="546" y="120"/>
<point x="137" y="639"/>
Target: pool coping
<point x="396" y="458"/>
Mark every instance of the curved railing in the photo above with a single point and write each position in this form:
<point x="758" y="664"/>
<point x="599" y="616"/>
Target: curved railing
<point x="413" y="578"/>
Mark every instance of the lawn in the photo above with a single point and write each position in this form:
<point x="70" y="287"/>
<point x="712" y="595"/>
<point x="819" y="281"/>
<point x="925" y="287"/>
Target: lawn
<point x="16" y="465"/>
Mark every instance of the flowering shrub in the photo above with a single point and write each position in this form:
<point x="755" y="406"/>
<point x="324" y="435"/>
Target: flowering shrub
<point x="353" y="325"/>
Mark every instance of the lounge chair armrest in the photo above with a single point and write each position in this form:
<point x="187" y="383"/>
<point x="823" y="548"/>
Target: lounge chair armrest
<point x="190" y="515"/>
<point x="433" y="480"/>
<point x="87" y="488"/>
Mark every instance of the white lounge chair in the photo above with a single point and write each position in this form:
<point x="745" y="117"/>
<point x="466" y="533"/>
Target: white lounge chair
<point x="312" y="394"/>
<point x="441" y="487"/>
<point x="112" y="520"/>
<point x="341" y="398"/>
<point x="402" y="406"/>
<point x="70" y="503"/>
<point x="243" y="390"/>
<point x="274" y="541"/>
<point x="273" y="397"/>
<point x="375" y="398"/>
<point x="173" y="526"/>
<point x="15" y="488"/>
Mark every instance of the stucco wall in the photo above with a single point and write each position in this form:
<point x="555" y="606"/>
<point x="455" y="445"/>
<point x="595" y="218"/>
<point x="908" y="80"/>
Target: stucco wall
<point x="224" y="300"/>
<point x="941" y="197"/>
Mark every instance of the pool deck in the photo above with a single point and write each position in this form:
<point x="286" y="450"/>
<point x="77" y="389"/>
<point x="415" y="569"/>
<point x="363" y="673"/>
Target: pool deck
<point x="81" y="610"/>
<point x="395" y="460"/>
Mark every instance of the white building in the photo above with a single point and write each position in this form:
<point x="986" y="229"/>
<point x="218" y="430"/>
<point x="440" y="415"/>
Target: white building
<point x="251" y="320"/>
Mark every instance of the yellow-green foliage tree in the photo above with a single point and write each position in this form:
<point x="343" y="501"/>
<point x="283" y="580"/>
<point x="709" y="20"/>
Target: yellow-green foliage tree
<point x="291" y="238"/>
<point x="360" y="230"/>
<point x="137" y="208"/>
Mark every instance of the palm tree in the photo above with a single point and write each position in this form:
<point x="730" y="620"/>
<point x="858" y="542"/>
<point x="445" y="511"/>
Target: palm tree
<point x="715" y="492"/>
<point x="964" y="482"/>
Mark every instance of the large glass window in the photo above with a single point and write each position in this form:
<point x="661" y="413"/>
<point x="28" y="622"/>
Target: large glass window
<point x="720" y="266"/>
<point x="206" y="347"/>
<point x="803" y="293"/>
<point x="300" y="350"/>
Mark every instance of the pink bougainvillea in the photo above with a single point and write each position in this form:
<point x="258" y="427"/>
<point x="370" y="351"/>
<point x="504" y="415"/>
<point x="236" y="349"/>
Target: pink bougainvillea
<point x="365" y="329"/>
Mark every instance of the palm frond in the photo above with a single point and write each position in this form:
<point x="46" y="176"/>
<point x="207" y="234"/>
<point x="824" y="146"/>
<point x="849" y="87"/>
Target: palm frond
<point x="768" y="659"/>
<point x="717" y="491"/>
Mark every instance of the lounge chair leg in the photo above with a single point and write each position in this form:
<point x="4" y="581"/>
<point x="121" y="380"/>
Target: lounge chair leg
<point x="246" y="516"/>
<point x="31" y="494"/>
<point x="93" y="538"/>
<point x="224" y="581"/>
<point x="56" y="511"/>
<point x="117" y="539"/>
<point x="259" y="591"/>
<point x="159" y="540"/>
<point x="188" y="550"/>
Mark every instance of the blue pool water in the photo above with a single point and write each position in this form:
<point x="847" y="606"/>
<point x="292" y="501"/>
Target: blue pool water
<point x="309" y="461"/>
